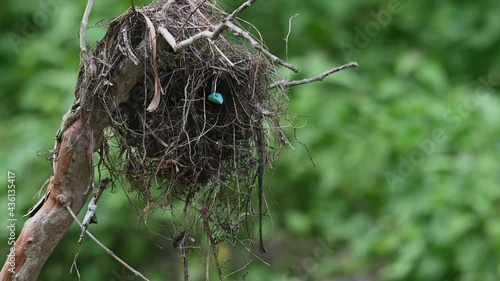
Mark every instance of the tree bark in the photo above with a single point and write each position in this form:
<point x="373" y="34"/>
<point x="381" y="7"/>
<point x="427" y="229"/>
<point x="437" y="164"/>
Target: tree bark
<point x="69" y="186"/>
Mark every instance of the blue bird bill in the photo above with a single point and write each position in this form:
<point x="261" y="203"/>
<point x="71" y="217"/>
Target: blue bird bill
<point x="216" y="98"/>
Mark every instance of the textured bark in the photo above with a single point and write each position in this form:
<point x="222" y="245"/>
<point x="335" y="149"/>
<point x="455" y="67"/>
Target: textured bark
<point x="72" y="177"/>
<point x="42" y="232"/>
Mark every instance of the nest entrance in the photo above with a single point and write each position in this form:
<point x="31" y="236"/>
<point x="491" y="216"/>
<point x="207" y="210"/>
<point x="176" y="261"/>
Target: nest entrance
<point x="210" y="156"/>
<point x="188" y="139"/>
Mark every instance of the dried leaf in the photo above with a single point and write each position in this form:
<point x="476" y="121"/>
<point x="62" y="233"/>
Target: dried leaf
<point x="152" y="33"/>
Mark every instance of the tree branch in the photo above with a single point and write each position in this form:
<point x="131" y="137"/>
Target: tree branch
<point x="72" y="172"/>
<point x="83" y="30"/>
<point x="225" y="24"/>
<point x="312" y="79"/>
<point x="42" y="232"/>
<point x="243" y="6"/>
<point x="108" y="251"/>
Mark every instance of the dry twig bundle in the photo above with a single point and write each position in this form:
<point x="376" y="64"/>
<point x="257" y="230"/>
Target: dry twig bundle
<point x="174" y="143"/>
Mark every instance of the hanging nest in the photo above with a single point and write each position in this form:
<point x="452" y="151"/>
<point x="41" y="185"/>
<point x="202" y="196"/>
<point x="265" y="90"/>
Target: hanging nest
<point x="210" y="156"/>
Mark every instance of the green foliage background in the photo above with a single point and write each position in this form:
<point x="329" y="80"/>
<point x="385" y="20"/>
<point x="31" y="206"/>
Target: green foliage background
<point x="405" y="184"/>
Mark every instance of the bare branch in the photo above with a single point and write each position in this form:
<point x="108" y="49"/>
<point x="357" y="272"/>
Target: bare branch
<point x="133" y="6"/>
<point x="185" y="43"/>
<point x="83" y="29"/>
<point x="288" y="34"/>
<point x="243" y="6"/>
<point x="222" y="27"/>
<point x="227" y="23"/>
<point x="90" y="215"/>
<point x="312" y="79"/>
<point x="259" y="47"/>
<point x="108" y="251"/>
<point x="204" y="34"/>
<point x="211" y="35"/>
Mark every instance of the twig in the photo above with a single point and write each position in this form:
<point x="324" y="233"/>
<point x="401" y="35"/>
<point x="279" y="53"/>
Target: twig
<point x="221" y="53"/>
<point x="185" y="43"/>
<point x="245" y="267"/>
<point x="184" y="240"/>
<point x="108" y="251"/>
<point x="203" y="34"/>
<point x="243" y="6"/>
<point x="90" y="215"/>
<point x="225" y="24"/>
<point x="222" y="26"/>
<point x="258" y="46"/>
<point x="260" y="177"/>
<point x="32" y="211"/>
<point x="196" y="9"/>
<point x="207" y="258"/>
<point x="288" y="34"/>
<point x="83" y="29"/>
<point x="312" y="79"/>
<point x="211" y="35"/>
<point x="133" y="6"/>
<point x="74" y="265"/>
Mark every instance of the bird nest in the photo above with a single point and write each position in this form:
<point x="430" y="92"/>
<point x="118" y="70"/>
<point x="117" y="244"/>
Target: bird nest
<point x="205" y="141"/>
